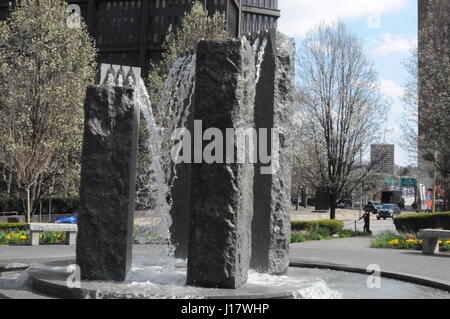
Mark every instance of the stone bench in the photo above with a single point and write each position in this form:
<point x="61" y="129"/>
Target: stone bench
<point x="431" y="239"/>
<point x="36" y="229"/>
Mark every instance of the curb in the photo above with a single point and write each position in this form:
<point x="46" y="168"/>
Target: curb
<point x="405" y="277"/>
<point x="58" y="289"/>
<point x="13" y="267"/>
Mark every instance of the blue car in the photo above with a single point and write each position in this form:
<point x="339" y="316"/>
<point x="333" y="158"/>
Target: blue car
<point x="67" y="220"/>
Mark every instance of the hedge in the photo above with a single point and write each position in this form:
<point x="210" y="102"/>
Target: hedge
<point x="412" y="223"/>
<point x="8" y="204"/>
<point x="12" y="226"/>
<point x="60" y="205"/>
<point x="334" y="226"/>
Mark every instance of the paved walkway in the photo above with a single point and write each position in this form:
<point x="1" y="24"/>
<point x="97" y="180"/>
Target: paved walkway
<point x="35" y="254"/>
<point x="354" y="252"/>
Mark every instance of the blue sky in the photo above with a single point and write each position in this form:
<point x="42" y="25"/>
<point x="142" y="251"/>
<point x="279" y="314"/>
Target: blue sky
<point x="388" y="29"/>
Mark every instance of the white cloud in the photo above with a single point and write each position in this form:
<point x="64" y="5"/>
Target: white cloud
<point x="392" y="43"/>
<point x="298" y="16"/>
<point x="394" y="93"/>
<point x="391" y="89"/>
<point x="393" y="126"/>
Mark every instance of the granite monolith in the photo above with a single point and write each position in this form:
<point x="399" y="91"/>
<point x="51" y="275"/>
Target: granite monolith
<point x="221" y="192"/>
<point x="107" y="187"/>
<point x="271" y="227"/>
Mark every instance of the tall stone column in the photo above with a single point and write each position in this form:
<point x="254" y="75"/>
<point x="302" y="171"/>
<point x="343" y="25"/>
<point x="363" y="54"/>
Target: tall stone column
<point x="221" y="193"/>
<point x="271" y="227"/>
<point x="107" y="188"/>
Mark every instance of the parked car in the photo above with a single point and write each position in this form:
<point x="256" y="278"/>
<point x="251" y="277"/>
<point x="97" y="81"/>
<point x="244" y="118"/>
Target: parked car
<point x="340" y="204"/>
<point x="295" y="200"/>
<point x="67" y="220"/>
<point x="372" y="207"/>
<point x="388" y="211"/>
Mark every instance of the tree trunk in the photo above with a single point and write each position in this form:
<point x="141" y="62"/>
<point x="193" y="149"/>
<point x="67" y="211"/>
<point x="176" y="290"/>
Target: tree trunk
<point x="332" y="207"/>
<point x="447" y="194"/>
<point x="66" y="177"/>
<point x="332" y="212"/>
<point x="304" y="198"/>
<point x="296" y="199"/>
<point x="52" y="185"/>
<point x="8" y="186"/>
<point x="28" y="206"/>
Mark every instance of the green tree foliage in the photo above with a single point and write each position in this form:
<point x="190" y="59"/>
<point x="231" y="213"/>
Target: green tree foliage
<point x="45" y="64"/>
<point x="195" y="25"/>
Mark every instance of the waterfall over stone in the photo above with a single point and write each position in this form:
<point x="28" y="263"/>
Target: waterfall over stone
<point x="160" y="174"/>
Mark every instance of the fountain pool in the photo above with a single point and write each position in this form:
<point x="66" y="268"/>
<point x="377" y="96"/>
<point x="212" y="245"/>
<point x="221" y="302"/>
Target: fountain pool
<point x="165" y="278"/>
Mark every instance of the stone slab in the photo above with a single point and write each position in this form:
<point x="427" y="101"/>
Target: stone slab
<point x="222" y="193"/>
<point x="271" y="227"/>
<point x="434" y="233"/>
<point x="107" y="187"/>
<point x="52" y="227"/>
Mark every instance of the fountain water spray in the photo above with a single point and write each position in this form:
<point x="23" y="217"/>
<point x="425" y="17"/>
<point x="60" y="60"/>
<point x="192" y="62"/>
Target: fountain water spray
<point x="176" y="98"/>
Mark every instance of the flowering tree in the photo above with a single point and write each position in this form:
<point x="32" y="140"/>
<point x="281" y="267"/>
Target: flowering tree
<point x="45" y="65"/>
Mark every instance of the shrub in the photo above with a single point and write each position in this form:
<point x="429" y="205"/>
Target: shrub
<point x="12" y="226"/>
<point x="60" y="205"/>
<point x="414" y="222"/>
<point x="347" y="233"/>
<point x="333" y="226"/>
<point x="297" y="237"/>
<point x="321" y="234"/>
<point x="8" y="204"/>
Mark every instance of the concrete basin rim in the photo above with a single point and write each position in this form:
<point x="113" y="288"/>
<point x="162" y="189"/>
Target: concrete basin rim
<point x="400" y="276"/>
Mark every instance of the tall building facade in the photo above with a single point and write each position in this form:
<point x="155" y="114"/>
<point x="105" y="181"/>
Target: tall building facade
<point x="130" y="32"/>
<point x="258" y="15"/>
<point x="382" y="158"/>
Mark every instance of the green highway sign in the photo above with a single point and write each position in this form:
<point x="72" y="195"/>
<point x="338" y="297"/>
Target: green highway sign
<point x="389" y="181"/>
<point x="408" y="182"/>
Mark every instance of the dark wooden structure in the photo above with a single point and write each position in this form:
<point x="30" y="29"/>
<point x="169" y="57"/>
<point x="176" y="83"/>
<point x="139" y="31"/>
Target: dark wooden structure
<point x="258" y="15"/>
<point x="130" y="32"/>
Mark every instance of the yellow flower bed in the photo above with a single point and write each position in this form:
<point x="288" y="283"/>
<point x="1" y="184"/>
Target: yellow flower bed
<point x="394" y="242"/>
<point x="22" y="237"/>
<point x="414" y="241"/>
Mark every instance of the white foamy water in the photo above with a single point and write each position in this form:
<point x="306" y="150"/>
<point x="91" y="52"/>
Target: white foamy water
<point x="155" y="185"/>
<point x="259" y="47"/>
<point x="176" y="99"/>
<point x="170" y="273"/>
<point x="311" y="287"/>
